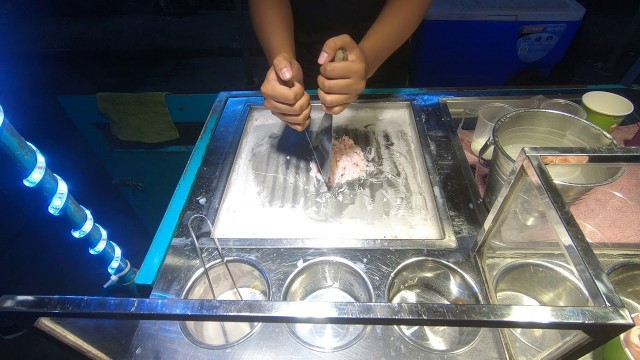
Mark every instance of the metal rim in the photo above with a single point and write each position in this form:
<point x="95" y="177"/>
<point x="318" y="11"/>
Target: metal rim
<point x="587" y="98"/>
<point x="503" y="119"/>
<point x="445" y="265"/>
<point x="336" y="259"/>
<point x="635" y="303"/>
<point x="294" y="275"/>
<point x="552" y="265"/>
<point x="196" y="276"/>
<point x="622" y="264"/>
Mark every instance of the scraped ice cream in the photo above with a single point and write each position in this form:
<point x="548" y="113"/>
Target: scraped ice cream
<point x="347" y="161"/>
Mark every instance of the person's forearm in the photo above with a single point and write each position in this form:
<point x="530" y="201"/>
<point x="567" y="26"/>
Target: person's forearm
<point x="273" y="23"/>
<point x="395" y="24"/>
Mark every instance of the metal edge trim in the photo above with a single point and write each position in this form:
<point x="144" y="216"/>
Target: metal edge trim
<point x="158" y="250"/>
<point x="481" y="315"/>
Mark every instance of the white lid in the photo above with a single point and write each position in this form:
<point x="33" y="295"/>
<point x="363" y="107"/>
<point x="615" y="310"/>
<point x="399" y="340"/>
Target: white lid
<point x="506" y="10"/>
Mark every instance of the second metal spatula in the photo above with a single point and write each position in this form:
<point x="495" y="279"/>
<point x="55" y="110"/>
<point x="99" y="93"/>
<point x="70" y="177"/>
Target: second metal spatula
<point x="320" y="140"/>
<point x="321" y="137"/>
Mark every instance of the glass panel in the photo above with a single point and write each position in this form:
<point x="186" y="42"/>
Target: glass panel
<point x="525" y="257"/>
<point x="523" y="225"/>
<point x="608" y="214"/>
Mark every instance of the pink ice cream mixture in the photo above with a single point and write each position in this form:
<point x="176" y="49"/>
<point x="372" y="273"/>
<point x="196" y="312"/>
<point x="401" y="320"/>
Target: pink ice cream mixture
<point x="606" y="213"/>
<point x="347" y="161"/>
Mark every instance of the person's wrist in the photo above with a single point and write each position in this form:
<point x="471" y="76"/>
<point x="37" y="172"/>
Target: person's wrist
<point x="286" y="55"/>
<point x="367" y="70"/>
<point x="365" y="59"/>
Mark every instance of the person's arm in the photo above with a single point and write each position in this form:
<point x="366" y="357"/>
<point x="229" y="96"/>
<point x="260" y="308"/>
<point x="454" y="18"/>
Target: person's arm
<point x="282" y="88"/>
<point x="341" y="83"/>
<point x="273" y="23"/>
<point x="395" y="24"/>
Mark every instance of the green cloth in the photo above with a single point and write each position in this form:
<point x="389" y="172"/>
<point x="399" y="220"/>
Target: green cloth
<point x="142" y="117"/>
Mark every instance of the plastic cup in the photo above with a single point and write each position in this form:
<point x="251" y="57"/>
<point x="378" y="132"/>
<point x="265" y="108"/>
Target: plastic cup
<point x="535" y="101"/>
<point x="606" y="109"/>
<point x="564" y="106"/>
<point x="488" y="115"/>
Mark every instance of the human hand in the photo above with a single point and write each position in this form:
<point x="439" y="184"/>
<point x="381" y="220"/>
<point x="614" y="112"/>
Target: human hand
<point x="340" y="83"/>
<point x="284" y="93"/>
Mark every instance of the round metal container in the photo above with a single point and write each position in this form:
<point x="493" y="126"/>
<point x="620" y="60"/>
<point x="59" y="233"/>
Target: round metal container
<point x="539" y="283"/>
<point x="424" y="280"/>
<point x="327" y="279"/>
<point x="546" y="128"/>
<point x="252" y="284"/>
<point x="625" y="278"/>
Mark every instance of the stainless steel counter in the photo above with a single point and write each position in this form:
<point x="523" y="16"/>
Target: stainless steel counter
<point x="267" y="214"/>
<point x="276" y="340"/>
<point x="253" y="204"/>
<point x="419" y="290"/>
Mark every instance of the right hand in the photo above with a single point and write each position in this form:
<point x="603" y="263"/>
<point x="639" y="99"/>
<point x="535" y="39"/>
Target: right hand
<point x="284" y="94"/>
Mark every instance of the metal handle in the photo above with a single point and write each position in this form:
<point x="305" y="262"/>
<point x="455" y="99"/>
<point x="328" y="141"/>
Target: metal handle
<point x="485" y="147"/>
<point x="341" y="55"/>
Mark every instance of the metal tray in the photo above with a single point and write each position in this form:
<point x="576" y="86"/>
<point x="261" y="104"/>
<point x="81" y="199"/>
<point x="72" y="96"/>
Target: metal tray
<point x="271" y="192"/>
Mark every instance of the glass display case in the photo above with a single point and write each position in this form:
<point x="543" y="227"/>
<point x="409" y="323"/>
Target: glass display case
<point x="539" y="250"/>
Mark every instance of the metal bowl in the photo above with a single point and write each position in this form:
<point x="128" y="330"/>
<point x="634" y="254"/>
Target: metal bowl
<point x="327" y="279"/>
<point x="625" y="278"/>
<point x="536" y="283"/>
<point x="547" y="128"/>
<point x="252" y="284"/>
<point x="424" y="280"/>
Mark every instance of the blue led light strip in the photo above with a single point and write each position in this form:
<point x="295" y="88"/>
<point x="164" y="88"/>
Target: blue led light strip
<point x="117" y="255"/>
<point x="102" y="243"/>
<point x="86" y="227"/>
<point x="40" y="178"/>
<point x="38" y="171"/>
<point x="58" y="200"/>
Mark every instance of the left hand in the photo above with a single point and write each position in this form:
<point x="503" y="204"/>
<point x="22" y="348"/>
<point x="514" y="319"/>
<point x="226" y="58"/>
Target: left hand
<point x="284" y="93"/>
<point x="340" y="83"/>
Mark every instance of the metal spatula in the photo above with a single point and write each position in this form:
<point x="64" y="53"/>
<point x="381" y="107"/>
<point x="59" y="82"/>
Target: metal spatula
<point x="321" y="137"/>
<point x="320" y="140"/>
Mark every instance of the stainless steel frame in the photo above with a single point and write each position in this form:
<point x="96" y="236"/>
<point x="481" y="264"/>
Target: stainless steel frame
<point x="575" y="248"/>
<point x="159" y="335"/>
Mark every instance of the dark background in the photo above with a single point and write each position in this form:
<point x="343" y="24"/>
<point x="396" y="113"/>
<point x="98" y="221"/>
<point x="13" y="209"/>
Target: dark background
<point x="76" y="47"/>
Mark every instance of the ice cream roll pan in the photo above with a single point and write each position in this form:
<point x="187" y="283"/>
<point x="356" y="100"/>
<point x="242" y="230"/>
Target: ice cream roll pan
<point x="327" y="279"/>
<point x="239" y="279"/>
<point x="426" y="280"/>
